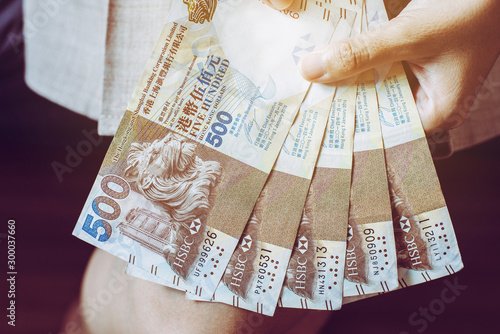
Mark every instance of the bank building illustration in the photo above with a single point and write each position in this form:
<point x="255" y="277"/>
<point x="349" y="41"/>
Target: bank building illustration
<point x="153" y="231"/>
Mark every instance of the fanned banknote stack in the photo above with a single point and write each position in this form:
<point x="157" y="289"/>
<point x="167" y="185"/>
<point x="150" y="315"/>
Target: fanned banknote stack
<point x="233" y="179"/>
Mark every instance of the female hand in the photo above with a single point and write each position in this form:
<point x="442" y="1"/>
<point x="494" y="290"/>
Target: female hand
<point x="450" y="46"/>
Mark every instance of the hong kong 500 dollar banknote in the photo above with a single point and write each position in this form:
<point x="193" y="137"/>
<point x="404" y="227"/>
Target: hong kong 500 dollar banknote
<point x="426" y="244"/>
<point x="199" y="138"/>
<point x="260" y="264"/>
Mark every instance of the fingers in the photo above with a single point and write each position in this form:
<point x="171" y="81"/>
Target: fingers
<point x="394" y="41"/>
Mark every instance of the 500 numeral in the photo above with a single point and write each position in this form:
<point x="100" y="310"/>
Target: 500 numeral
<point x="90" y="226"/>
<point x="219" y="129"/>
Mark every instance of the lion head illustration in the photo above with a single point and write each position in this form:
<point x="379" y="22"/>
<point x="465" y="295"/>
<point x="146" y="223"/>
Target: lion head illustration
<point x="201" y="10"/>
<point x="180" y="184"/>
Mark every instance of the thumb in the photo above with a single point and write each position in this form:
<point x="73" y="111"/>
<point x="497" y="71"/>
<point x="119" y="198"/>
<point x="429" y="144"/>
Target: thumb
<point x="393" y="41"/>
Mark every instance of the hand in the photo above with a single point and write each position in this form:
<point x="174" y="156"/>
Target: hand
<point x="450" y="46"/>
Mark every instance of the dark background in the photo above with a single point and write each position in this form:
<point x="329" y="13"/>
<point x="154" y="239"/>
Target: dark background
<point x="35" y="133"/>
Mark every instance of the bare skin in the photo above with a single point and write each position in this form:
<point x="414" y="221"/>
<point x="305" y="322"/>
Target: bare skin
<point x="113" y="302"/>
<point x="450" y="45"/>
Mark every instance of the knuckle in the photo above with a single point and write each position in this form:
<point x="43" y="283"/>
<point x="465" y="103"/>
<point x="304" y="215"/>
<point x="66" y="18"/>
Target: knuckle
<point x="455" y="120"/>
<point x="346" y="57"/>
<point x="453" y="116"/>
<point x="436" y="118"/>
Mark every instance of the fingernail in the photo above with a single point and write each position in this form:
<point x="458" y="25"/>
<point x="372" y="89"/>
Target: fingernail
<point x="281" y="4"/>
<point x="312" y="66"/>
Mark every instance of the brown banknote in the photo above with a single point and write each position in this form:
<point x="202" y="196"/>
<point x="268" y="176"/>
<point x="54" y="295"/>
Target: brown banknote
<point x="199" y="138"/>
<point x="425" y="241"/>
